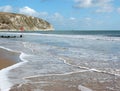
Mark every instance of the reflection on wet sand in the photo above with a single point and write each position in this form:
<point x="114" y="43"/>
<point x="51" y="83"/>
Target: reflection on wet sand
<point x="81" y="81"/>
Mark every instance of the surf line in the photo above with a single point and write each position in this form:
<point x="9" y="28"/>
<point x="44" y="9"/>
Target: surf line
<point x="87" y="68"/>
<point x="61" y="74"/>
<point x="4" y="72"/>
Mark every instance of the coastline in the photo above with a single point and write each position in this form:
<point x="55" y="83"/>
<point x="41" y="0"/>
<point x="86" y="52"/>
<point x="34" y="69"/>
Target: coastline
<point x="9" y="59"/>
<point x="32" y="76"/>
<point x="81" y="81"/>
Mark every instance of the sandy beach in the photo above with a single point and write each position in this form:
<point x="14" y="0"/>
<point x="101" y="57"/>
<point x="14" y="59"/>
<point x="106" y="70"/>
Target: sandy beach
<point x="76" y="81"/>
<point x="7" y="58"/>
<point x="65" y="63"/>
<point x="5" y="63"/>
<point x="81" y="81"/>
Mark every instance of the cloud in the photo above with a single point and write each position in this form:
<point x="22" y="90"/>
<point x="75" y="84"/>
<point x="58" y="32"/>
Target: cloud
<point x="28" y="11"/>
<point x="45" y="15"/>
<point x="31" y="12"/>
<point x="83" y="3"/>
<point x="88" y="21"/>
<point x="6" y="8"/>
<point x="92" y="3"/>
<point x="56" y="17"/>
<point x="72" y="18"/>
<point x="118" y="10"/>
<point x="105" y="9"/>
<point x="100" y="5"/>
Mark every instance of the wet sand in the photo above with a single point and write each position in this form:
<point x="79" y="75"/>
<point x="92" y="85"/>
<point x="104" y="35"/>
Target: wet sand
<point x="8" y="58"/>
<point x="5" y="63"/>
<point x="81" y="81"/>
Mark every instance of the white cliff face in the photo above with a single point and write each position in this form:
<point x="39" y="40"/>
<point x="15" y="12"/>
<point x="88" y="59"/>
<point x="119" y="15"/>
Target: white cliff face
<point x="16" y="21"/>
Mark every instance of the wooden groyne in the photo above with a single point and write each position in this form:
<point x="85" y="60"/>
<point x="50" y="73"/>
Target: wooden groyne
<point x="11" y="36"/>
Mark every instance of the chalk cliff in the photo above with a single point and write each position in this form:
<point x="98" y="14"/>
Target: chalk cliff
<point x="13" y="21"/>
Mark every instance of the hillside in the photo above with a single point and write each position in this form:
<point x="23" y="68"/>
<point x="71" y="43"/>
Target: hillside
<point x="12" y="21"/>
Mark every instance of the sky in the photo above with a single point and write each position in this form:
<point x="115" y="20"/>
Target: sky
<point x="69" y="14"/>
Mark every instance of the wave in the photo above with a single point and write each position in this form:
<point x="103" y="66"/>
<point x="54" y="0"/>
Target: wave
<point x="89" y="69"/>
<point x="83" y="88"/>
<point x="82" y="70"/>
<point x="3" y="73"/>
<point x="91" y="37"/>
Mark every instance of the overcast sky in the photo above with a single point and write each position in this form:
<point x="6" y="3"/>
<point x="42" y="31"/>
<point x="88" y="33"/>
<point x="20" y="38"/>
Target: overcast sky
<point x="70" y="14"/>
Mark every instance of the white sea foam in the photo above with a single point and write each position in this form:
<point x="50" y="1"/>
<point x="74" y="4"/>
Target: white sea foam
<point x="91" y="37"/>
<point x="8" y="49"/>
<point x="10" y="33"/>
<point x="62" y="74"/>
<point x="5" y="86"/>
<point x="83" y="88"/>
<point x="86" y="69"/>
<point x="4" y="83"/>
<point x="32" y="48"/>
<point x="106" y="72"/>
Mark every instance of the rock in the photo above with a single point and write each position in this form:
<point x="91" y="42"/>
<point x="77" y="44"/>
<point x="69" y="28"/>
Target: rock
<point x="13" y="21"/>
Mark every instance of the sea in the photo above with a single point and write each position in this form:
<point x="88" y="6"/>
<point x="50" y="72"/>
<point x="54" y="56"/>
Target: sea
<point x="62" y="52"/>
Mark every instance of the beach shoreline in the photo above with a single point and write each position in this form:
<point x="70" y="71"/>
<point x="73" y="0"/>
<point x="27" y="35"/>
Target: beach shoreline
<point x="81" y="81"/>
<point x="76" y="81"/>
<point x="8" y="58"/>
<point x="61" y="63"/>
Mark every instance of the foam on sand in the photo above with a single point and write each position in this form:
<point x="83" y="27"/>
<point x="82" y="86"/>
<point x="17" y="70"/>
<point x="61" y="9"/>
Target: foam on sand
<point x="83" y="88"/>
<point x="4" y="81"/>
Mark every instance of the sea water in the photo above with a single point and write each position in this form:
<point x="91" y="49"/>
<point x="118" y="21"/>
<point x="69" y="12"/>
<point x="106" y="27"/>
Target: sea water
<point x="64" y="52"/>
